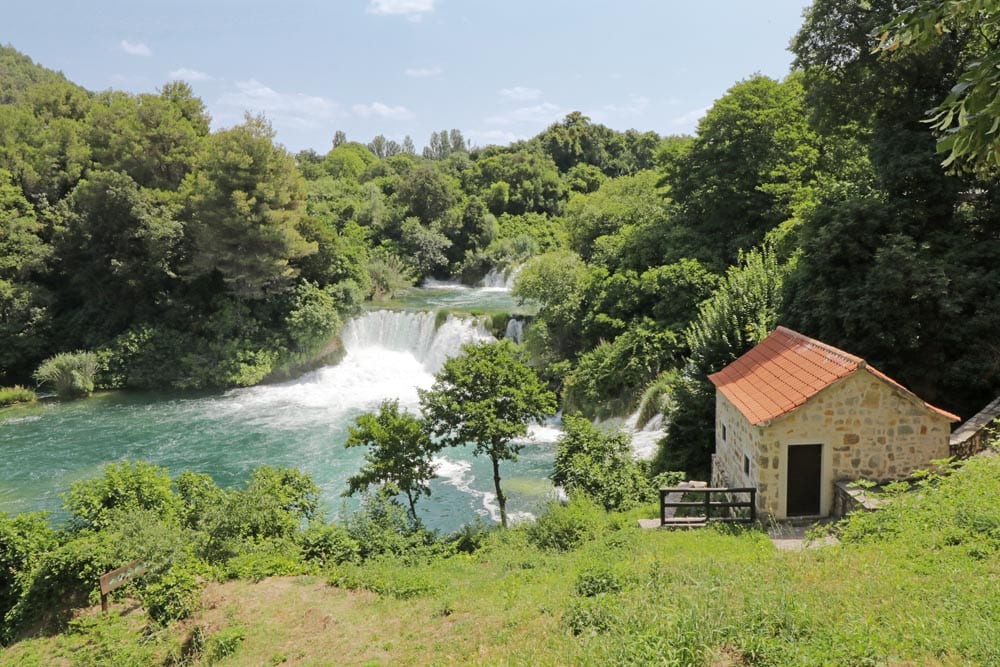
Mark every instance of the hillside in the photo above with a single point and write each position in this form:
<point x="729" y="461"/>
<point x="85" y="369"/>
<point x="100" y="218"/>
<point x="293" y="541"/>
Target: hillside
<point x="916" y="583"/>
<point x="19" y="74"/>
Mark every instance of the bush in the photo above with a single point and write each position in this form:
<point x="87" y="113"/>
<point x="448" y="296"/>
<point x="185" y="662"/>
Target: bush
<point x="383" y="526"/>
<point x="266" y="558"/>
<point x="127" y="485"/>
<point x="565" y="527"/>
<point x="600" y="465"/>
<point x="16" y="394"/>
<point x="70" y="373"/>
<point x="590" y="616"/>
<point x="328" y="544"/>
<point x="597" y="581"/>
<point x="24" y="539"/>
<point x="224" y="643"/>
<point x="173" y="595"/>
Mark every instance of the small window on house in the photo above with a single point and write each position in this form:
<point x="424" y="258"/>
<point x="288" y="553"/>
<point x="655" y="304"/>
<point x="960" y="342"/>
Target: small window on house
<point x="723" y="433"/>
<point x="746" y="464"/>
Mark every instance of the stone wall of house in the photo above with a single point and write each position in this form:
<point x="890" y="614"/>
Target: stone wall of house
<point x="741" y="438"/>
<point x="869" y="429"/>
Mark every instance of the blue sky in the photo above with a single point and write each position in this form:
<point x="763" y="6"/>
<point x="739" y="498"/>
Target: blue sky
<point x="499" y="70"/>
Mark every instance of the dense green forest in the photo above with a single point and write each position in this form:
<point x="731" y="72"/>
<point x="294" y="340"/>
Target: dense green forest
<point x="189" y="258"/>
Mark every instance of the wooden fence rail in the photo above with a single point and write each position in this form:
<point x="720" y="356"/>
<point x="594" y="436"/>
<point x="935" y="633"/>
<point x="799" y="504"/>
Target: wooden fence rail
<point x="671" y="499"/>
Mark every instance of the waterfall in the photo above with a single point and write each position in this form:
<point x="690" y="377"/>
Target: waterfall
<point x="413" y="333"/>
<point x="515" y="329"/>
<point x="501" y="279"/>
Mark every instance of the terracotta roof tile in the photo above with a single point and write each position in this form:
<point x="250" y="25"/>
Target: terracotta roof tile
<point x="785" y="370"/>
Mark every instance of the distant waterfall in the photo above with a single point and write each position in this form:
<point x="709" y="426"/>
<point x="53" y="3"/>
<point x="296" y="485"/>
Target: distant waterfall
<point x="515" y="329"/>
<point x="414" y="333"/>
<point x="501" y="279"/>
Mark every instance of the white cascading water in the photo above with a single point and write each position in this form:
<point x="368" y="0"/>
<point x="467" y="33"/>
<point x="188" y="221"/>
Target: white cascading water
<point x="515" y="329"/>
<point x="501" y="279"/>
<point x="389" y="355"/>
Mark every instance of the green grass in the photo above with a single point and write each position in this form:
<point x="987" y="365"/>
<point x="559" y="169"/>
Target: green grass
<point x="16" y="394"/>
<point x="915" y="584"/>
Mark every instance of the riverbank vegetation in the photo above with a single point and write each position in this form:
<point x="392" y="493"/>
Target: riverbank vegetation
<point x="244" y="577"/>
<point x="188" y="258"/>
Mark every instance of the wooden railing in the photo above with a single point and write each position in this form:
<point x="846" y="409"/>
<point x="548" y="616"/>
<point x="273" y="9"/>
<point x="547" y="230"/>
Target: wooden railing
<point x="701" y="510"/>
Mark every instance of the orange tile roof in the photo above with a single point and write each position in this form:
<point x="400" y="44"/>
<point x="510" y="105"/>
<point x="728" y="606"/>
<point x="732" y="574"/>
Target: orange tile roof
<point x="785" y="370"/>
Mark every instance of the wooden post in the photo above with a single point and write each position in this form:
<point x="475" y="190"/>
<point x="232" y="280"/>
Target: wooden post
<point x="753" y="505"/>
<point x="708" y="505"/>
<point x="663" y="507"/>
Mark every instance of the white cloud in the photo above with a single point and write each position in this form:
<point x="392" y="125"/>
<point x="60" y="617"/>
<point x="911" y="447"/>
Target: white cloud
<point x="546" y="112"/>
<point x="411" y="9"/>
<point x="135" y="48"/>
<point x="294" y="109"/>
<point x="521" y="94"/>
<point x="187" y="74"/>
<point x="688" y="122"/>
<point x="382" y="111"/>
<point x="424" y="72"/>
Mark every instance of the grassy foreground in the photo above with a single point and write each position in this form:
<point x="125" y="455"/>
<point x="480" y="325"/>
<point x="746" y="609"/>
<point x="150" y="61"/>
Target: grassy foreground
<point x="916" y="584"/>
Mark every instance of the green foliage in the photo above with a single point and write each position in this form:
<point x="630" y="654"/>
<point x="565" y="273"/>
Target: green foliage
<point x="71" y="374"/>
<point x="386" y="577"/>
<point x="655" y="397"/>
<point x="563" y="527"/>
<point x="261" y="558"/>
<point x="125" y="486"/>
<point x="600" y="465"/>
<point x="16" y="394"/>
<point x="590" y="616"/>
<point x="750" y="167"/>
<point x="384" y="527"/>
<point x="328" y="544"/>
<point x="967" y="118"/>
<point x="486" y="396"/>
<point x="244" y="203"/>
<point x="24" y="539"/>
<point x="224" y="643"/>
<point x="389" y="274"/>
<point x="173" y="595"/>
<point x="399" y="454"/>
<point x="597" y="581"/>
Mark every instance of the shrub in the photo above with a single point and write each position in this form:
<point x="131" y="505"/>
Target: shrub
<point x="565" y="527"/>
<point x="383" y="526"/>
<point x="266" y="558"/>
<point x="127" y="485"/>
<point x="24" y="539"/>
<point x="590" y="616"/>
<point x="16" y="394"/>
<point x="328" y="544"/>
<point x="70" y="373"/>
<point x="173" y="595"/>
<point x="600" y="465"/>
<point x="655" y="398"/>
<point x="224" y="643"/>
<point x="596" y="581"/>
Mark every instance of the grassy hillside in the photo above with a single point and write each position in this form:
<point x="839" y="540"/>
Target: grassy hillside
<point x="918" y="583"/>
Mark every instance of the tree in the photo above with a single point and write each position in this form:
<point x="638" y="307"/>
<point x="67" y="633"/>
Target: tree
<point x="399" y="456"/>
<point x="748" y="170"/>
<point x="969" y="116"/>
<point x="245" y="203"/>
<point x="599" y="464"/>
<point x="486" y="396"/>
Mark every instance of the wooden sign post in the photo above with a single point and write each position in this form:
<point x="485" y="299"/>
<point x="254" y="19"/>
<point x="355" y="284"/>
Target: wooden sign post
<point x="119" y="577"/>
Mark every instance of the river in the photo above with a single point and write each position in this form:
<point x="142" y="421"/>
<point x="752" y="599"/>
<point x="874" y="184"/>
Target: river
<point x="302" y="423"/>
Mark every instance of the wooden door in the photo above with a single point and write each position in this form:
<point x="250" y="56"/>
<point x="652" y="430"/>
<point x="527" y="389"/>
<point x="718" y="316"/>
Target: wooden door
<point x="805" y="470"/>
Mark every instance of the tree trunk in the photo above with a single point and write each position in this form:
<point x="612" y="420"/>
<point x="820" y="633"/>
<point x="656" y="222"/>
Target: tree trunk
<point x="501" y="499"/>
<point x="413" y="508"/>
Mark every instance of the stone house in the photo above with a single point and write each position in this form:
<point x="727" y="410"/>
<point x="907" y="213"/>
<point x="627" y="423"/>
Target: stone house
<point x="793" y="416"/>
